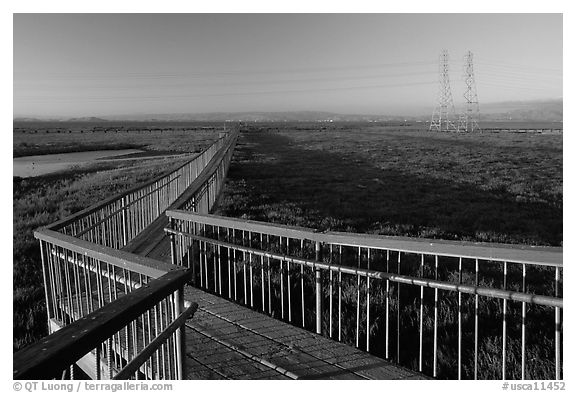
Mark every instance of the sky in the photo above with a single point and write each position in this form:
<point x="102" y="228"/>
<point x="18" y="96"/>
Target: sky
<point x="120" y="64"/>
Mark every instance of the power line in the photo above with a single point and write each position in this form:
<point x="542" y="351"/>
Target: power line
<point x="154" y="75"/>
<point x="259" y="82"/>
<point x="139" y="97"/>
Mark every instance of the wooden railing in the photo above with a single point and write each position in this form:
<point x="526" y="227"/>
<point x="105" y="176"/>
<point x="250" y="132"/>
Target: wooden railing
<point x="113" y="313"/>
<point x="138" y="336"/>
<point x="117" y="220"/>
<point x="203" y="192"/>
<point x="123" y="314"/>
<point x="443" y="308"/>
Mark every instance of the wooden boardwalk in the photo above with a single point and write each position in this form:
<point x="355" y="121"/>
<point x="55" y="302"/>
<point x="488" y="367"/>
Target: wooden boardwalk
<point x="225" y="340"/>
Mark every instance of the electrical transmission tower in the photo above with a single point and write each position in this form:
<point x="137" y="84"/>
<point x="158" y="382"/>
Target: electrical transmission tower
<point x="443" y="115"/>
<point x="469" y="119"/>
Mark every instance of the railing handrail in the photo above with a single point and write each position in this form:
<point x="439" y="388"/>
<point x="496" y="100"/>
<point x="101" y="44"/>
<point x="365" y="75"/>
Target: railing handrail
<point x="394" y="277"/>
<point x="544" y="256"/>
<point x="90" y="209"/>
<point x="66" y="346"/>
<point x="147" y="352"/>
<point x="133" y="262"/>
<point x="273" y="229"/>
<point x="204" y="176"/>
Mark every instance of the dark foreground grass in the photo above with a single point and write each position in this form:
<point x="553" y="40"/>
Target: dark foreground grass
<point x="501" y="187"/>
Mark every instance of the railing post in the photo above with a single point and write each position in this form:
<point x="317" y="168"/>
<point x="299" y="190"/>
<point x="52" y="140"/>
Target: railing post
<point x="192" y="250"/>
<point x="173" y="243"/>
<point x="45" y="278"/>
<point x="124" y="224"/>
<point x="180" y="334"/>
<point x="318" y="291"/>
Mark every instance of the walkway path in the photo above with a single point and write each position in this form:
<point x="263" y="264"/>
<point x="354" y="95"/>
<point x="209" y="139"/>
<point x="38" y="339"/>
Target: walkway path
<point x="225" y="340"/>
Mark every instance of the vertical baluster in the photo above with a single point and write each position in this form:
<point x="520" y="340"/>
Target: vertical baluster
<point x="557" y="337"/>
<point x="158" y="197"/>
<point x="330" y="298"/>
<point x="219" y="252"/>
<point x="435" y="361"/>
<point x="215" y="263"/>
<point x="109" y="283"/>
<point x="45" y="272"/>
<point x="134" y="341"/>
<point x="387" y="305"/>
<point x="150" y="362"/>
<point x="60" y="282"/>
<point x="289" y="285"/>
<point x="476" y="325"/>
<point x="109" y="357"/>
<point x="281" y="277"/>
<point x="97" y="366"/>
<point x="229" y="265"/>
<point x="201" y="262"/>
<point x="358" y="301"/>
<point x="368" y="306"/>
<point x="523" y="365"/>
<point x="56" y="282"/>
<point x="68" y="284"/>
<point x="78" y="287"/>
<point x="504" y="325"/>
<point x="340" y="293"/>
<point x="169" y="344"/>
<point x="130" y="282"/>
<point x="302" y="282"/>
<point x="269" y="277"/>
<point x="156" y="334"/>
<point x="99" y="283"/>
<point x="460" y="320"/>
<point x="163" y="348"/>
<point x="116" y="337"/>
<point x="244" y="268"/>
<point x="251" y="271"/>
<point x="234" y="259"/>
<point x="398" y="317"/>
<point x="86" y="287"/>
<point x="262" y="273"/>
<point x="204" y="233"/>
<point x="421" y="329"/>
<point x="318" y="274"/>
<point x="182" y="244"/>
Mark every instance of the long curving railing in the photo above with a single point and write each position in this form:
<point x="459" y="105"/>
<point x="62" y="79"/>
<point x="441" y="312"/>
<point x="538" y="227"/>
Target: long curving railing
<point x="111" y="312"/>
<point x="448" y="309"/>
<point x="117" y="220"/>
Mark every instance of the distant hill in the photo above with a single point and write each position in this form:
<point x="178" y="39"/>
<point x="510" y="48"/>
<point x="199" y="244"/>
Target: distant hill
<point x="254" y="116"/>
<point x="544" y="110"/>
<point x="550" y="110"/>
<point x="90" y="119"/>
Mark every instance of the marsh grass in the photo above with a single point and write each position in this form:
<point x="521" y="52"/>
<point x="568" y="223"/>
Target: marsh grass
<point x="54" y="137"/>
<point x="504" y="188"/>
<point x="487" y="187"/>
